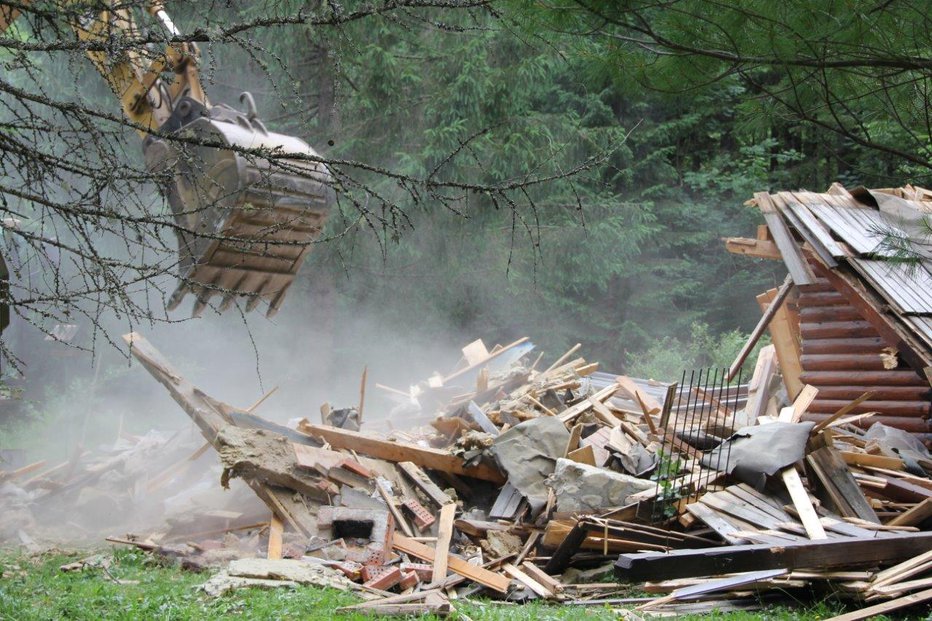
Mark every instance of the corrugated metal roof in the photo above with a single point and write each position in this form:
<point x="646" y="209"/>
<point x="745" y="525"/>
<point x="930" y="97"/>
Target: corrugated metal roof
<point x="907" y="286"/>
<point x="861" y="227"/>
<point x="922" y="325"/>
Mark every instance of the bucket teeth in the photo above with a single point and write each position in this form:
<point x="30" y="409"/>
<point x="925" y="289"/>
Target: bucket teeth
<point x="177" y="296"/>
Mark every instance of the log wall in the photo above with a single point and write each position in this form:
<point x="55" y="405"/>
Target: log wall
<point x="841" y="356"/>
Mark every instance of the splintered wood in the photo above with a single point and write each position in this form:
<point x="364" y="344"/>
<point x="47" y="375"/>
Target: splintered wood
<point x="440" y="512"/>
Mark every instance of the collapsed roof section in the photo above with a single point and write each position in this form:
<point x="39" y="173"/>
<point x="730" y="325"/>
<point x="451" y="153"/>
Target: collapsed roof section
<point x="860" y="318"/>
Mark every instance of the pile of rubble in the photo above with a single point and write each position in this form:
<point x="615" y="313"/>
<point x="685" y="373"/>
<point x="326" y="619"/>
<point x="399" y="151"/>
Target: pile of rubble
<point x="524" y="483"/>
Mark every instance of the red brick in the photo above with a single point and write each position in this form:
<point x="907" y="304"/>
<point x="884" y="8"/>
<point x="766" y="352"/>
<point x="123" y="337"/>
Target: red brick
<point x="408" y="580"/>
<point x="423" y="518"/>
<point x="424" y="571"/>
<point x="387" y="580"/>
<point x="350" y="569"/>
<point x="355" y="466"/>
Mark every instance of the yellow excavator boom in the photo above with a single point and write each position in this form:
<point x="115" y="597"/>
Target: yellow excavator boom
<point x="248" y="203"/>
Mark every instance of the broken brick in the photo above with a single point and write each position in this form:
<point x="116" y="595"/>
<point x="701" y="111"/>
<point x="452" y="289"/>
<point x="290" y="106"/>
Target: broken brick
<point x="423" y="518"/>
<point x="386" y="578"/>
<point x="424" y="571"/>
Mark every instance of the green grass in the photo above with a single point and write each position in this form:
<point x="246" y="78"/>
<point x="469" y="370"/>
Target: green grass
<point x="33" y="588"/>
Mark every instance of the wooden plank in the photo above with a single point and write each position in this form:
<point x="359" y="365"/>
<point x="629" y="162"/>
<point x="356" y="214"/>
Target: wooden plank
<point x="792" y="256"/>
<point x="838" y="483"/>
<point x="867" y="459"/>
<point x="736" y="507"/>
<point x="13" y="474"/>
<point x="811" y="239"/>
<point x="880" y="609"/>
<point x="563" y="358"/>
<point x="542" y="577"/>
<point x="484" y="577"/>
<point x="725" y="529"/>
<point x="825" y="423"/>
<point x="757" y="248"/>
<point x="486" y="360"/>
<point x="574" y="411"/>
<point x="444" y="535"/>
<point x="475" y="353"/>
<point x="373" y="446"/>
<point x="424" y="483"/>
<point x="758" y="394"/>
<point x="386" y="495"/>
<point x="725" y="584"/>
<point x="818" y="230"/>
<point x="805" y="398"/>
<point x="561" y="557"/>
<point x="906" y="569"/>
<point x="785" y="337"/>
<point x="528" y="581"/>
<point x="362" y="395"/>
<point x="802" y="503"/>
<point x="276" y="529"/>
<point x="915" y="516"/>
<point x="824" y="554"/>
<point x="630" y="389"/>
<point x="899" y="588"/>
<point x="584" y="455"/>
<point x="282" y="502"/>
<point x="573" y="443"/>
<point x="759" y="329"/>
<point x="506" y="503"/>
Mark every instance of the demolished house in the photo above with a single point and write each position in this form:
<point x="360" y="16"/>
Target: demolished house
<point x="517" y="480"/>
<point x="860" y="317"/>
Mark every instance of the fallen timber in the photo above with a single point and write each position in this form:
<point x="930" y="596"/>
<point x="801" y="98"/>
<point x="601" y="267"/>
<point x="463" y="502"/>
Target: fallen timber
<point x="562" y="474"/>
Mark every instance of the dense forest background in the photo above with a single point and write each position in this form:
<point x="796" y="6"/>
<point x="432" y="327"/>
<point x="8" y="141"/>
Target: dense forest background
<point x="625" y="257"/>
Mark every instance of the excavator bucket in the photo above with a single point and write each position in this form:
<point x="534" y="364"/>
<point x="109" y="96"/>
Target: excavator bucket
<point x="249" y="203"/>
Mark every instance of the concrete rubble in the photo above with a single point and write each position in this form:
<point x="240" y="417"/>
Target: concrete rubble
<point x="584" y="488"/>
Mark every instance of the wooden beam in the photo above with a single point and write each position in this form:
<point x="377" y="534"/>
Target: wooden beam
<point x="457" y="565"/>
<point x="424" y="483"/>
<point x="444" y="535"/>
<point x="807" y="514"/>
<point x="398" y="452"/>
<point x="400" y="521"/>
<point x="276" y="529"/>
<point x="206" y="413"/>
<point x="805" y="398"/>
<point x="785" y="335"/>
<point x="825" y="423"/>
<point x="789" y="249"/>
<point x="574" y="411"/>
<point x="528" y="581"/>
<point x="757" y="248"/>
<point x="839" y="485"/>
<point x="853" y="458"/>
<point x="762" y="325"/>
<point x="759" y="386"/>
<point x="823" y="554"/>
<point x="915" y="516"/>
<point x="486" y="360"/>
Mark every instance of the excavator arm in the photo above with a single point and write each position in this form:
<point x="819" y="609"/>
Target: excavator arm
<point x="248" y="203"/>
